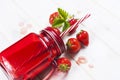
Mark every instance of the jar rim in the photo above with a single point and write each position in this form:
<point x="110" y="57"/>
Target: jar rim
<point x="57" y="38"/>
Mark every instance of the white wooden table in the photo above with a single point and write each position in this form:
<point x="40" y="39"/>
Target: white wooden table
<point x="100" y="60"/>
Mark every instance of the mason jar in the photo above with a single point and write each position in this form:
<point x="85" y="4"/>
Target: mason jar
<point x="31" y="55"/>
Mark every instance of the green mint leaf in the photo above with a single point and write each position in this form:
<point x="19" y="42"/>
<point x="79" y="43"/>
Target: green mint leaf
<point x="66" y="26"/>
<point x="63" y="13"/>
<point x="58" y="22"/>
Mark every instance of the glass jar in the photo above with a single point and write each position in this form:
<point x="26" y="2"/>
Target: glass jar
<point x="31" y="55"/>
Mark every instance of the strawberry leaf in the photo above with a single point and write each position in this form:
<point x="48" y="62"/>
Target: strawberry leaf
<point x="62" y="20"/>
<point x="58" y="22"/>
<point x="63" y="13"/>
<point x="66" y="26"/>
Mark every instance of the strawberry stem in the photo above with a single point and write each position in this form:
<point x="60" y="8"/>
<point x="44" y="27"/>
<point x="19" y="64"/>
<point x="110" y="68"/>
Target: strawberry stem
<point x="64" y="67"/>
<point x="74" y="26"/>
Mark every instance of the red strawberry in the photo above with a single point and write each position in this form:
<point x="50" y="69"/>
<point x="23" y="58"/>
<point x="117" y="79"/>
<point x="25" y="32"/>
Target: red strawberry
<point x="73" y="45"/>
<point x="63" y="64"/>
<point x="52" y="17"/>
<point x="83" y="37"/>
<point x="72" y="22"/>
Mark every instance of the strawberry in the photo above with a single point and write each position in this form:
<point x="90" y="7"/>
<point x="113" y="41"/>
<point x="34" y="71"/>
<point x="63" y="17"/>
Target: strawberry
<point x="72" y="22"/>
<point x="73" y="45"/>
<point x="52" y="17"/>
<point x="83" y="37"/>
<point x="63" y="64"/>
